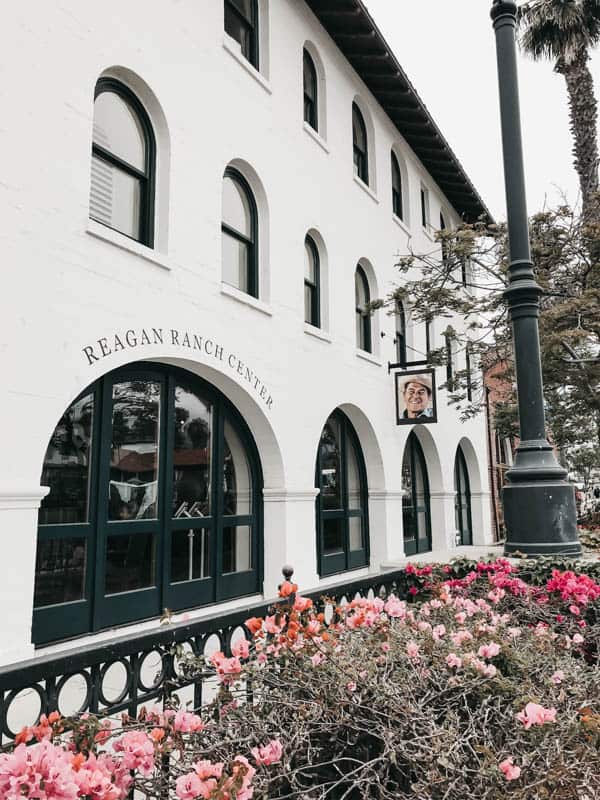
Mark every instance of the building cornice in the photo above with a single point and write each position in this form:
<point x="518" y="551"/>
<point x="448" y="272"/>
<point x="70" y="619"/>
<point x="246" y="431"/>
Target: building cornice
<point x="361" y="42"/>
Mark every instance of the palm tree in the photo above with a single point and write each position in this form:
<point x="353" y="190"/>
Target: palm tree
<point x="565" y="31"/>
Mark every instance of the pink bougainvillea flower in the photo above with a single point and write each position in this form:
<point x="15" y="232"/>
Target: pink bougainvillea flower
<point x="207" y="769"/>
<point x="137" y="751"/>
<point x="272" y="626"/>
<point x="452" y="660"/>
<point x="317" y="659"/>
<point x="535" y="714"/>
<point x="557" y="677"/>
<point x="578" y="638"/>
<point x="351" y="686"/>
<point x="189" y="786"/>
<point x="509" y="770"/>
<point x="241" y="649"/>
<point x="269" y="754"/>
<point x="385" y="646"/>
<point x="438" y="632"/>
<point x="287" y="588"/>
<point x="302" y="603"/>
<point x="187" y="722"/>
<point x="412" y="650"/>
<point x="489" y="650"/>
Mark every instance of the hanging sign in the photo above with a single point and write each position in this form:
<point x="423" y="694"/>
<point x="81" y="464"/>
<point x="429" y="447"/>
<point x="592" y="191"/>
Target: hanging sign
<point x="416" y="401"/>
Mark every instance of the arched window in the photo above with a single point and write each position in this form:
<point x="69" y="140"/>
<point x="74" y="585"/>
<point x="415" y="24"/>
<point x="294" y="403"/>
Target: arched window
<point x="342" y="532"/>
<point x="362" y="311"/>
<point x="416" y="513"/>
<point x="312" y="282"/>
<point x="400" y="333"/>
<point x="241" y="23"/>
<point x="311" y="93"/>
<point x="462" y="500"/>
<point x="154" y="502"/>
<point x="360" y="145"/>
<point x="396" y="188"/>
<point x="444" y="243"/>
<point x="239" y="234"/>
<point x="123" y="163"/>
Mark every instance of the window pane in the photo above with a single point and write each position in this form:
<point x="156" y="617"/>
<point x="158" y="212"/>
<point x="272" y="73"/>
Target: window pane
<point x="308" y="304"/>
<point x="237" y="549"/>
<point x="333" y="536"/>
<point x="237" y="478"/>
<point x="244" y="7"/>
<point x="115" y="198"/>
<point x="354" y="493"/>
<point x="190" y="555"/>
<point x="310" y="271"/>
<point x="235" y="262"/>
<point x="239" y="30"/>
<point x="355" y="533"/>
<point x="360" y="290"/>
<point x="117" y="129"/>
<point x="310" y="77"/>
<point x="237" y="213"/>
<point x="59" y="571"/>
<point x="129" y="562"/>
<point x="329" y="460"/>
<point x="67" y="466"/>
<point x="192" y="454"/>
<point x="358" y="130"/>
<point x="134" y="451"/>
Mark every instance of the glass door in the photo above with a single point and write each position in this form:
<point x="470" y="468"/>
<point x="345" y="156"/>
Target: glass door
<point x="129" y="541"/>
<point x="416" y="514"/>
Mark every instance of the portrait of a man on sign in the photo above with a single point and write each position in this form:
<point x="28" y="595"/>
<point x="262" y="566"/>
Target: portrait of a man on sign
<point x="415" y="397"/>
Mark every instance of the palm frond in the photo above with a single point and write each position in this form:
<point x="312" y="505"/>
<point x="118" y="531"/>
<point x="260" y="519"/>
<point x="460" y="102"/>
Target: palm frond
<point x="560" y="30"/>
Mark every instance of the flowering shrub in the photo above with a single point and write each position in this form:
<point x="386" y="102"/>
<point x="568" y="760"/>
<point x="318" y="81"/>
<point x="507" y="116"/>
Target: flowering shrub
<point x="485" y="682"/>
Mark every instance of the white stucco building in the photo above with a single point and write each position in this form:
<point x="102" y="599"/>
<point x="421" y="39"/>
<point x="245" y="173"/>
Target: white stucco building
<point x="195" y="380"/>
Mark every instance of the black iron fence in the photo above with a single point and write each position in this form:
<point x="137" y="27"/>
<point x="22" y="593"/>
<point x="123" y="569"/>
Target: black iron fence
<point x="149" y="663"/>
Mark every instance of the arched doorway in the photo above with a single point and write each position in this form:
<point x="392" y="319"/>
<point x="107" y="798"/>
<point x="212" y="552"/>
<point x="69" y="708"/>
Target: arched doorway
<point x="416" y="511"/>
<point x="155" y="501"/>
<point x="462" y="500"/>
<point x="341" y="504"/>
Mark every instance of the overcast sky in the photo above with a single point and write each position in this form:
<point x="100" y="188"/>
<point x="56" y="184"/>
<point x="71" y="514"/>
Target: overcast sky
<point x="450" y="58"/>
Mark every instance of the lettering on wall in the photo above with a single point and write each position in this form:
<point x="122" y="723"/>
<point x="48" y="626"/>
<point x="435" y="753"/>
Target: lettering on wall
<point x="137" y="339"/>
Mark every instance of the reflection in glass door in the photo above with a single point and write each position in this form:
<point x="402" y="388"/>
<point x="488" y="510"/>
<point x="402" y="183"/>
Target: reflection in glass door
<point x="416" y="513"/>
<point x="462" y="500"/>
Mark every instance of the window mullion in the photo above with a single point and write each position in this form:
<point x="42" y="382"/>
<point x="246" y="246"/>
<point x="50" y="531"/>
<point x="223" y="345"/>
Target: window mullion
<point x="217" y="498"/>
<point x="115" y="161"/>
<point x="165" y="483"/>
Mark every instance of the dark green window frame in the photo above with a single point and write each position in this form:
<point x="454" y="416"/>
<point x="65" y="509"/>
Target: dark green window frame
<point x="400" y="333"/>
<point x="145" y="178"/>
<point x="363" y="314"/>
<point x="312" y="289"/>
<point x="450" y="383"/>
<point x="250" y="243"/>
<point x="396" y="187"/>
<point x="242" y="26"/>
<point x="346" y="559"/>
<point x="416" y="506"/>
<point x="98" y="610"/>
<point x="462" y="499"/>
<point x="468" y="370"/>
<point x="360" y="147"/>
<point x="310" y="91"/>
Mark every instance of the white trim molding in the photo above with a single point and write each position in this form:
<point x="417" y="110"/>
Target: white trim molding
<point x="289" y="495"/>
<point x="22" y="497"/>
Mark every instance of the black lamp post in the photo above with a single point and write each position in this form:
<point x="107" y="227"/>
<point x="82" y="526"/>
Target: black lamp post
<point x="539" y="503"/>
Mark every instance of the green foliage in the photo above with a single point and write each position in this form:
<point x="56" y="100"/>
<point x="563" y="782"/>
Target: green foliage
<point x="562" y="247"/>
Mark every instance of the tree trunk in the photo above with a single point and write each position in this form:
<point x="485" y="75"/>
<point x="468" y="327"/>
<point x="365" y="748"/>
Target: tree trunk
<point x="583" y="112"/>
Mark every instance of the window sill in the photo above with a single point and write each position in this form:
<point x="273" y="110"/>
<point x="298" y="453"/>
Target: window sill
<point x="401" y="224"/>
<point x="314" y="135"/>
<point x="369" y="357"/>
<point x="366" y="189"/>
<point x="233" y="48"/>
<point x="316" y="332"/>
<point x="99" y="231"/>
<point x="246" y="299"/>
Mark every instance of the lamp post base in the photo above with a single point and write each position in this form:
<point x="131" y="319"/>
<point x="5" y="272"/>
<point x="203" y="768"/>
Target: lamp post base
<point x="540" y="519"/>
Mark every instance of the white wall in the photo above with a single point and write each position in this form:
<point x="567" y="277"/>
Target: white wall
<point x="66" y="282"/>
